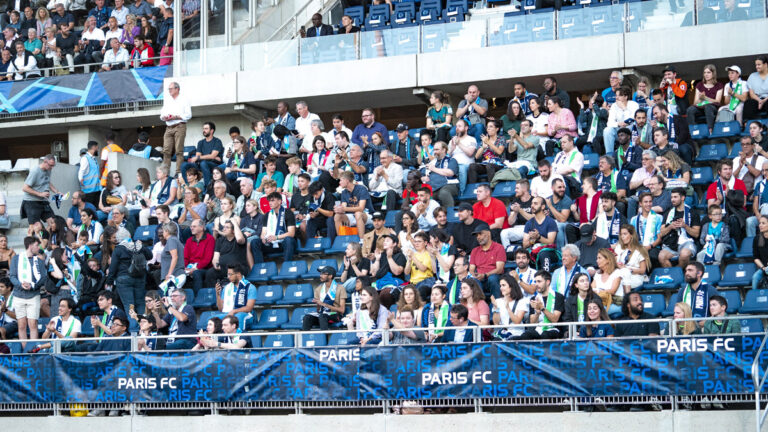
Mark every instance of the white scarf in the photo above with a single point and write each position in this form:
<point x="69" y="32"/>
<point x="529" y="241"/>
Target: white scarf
<point x="28" y="273"/>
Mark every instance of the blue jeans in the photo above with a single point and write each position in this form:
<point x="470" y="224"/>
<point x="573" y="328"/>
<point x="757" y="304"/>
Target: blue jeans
<point x="757" y="277"/>
<point x="198" y="278"/>
<point x="287" y="246"/>
<point x="181" y="344"/>
<point x="561" y="237"/>
<point x="205" y="166"/>
<point x="609" y="138"/>
<point x="463" y="169"/>
<point x="490" y="285"/>
<point x="131" y="291"/>
<point x="752" y="226"/>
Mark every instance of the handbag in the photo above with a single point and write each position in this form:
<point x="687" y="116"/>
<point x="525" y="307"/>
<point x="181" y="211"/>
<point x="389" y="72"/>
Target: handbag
<point x="113" y="200"/>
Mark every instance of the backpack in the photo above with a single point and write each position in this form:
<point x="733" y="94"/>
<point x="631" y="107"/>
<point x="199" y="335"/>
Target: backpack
<point x="138" y="267"/>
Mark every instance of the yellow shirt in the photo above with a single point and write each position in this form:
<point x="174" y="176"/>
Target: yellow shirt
<point x="424" y="259"/>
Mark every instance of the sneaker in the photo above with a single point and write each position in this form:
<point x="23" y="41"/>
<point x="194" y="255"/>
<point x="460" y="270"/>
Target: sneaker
<point x="115" y="413"/>
<point x="96" y="413"/>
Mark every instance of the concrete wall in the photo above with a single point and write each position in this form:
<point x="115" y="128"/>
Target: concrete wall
<point x="668" y="421"/>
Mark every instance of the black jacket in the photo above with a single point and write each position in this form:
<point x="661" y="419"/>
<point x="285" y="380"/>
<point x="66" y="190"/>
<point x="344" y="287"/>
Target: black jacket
<point x="325" y="30"/>
<point x="121" y="261"/>
<point x="572" y="307"/>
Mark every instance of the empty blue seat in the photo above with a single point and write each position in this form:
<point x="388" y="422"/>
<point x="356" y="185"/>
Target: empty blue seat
<point x="751" y="325"/>
<point x="271" y="319"/>
<point x="378" y="17"/>
<point x="653" y="304"/>
<point x="670" y="309"/>
<point x="297" y="318"/>
<point x="591" y="161"/>
<point x="429" y="11"/>
<point x="668" y="278"/>
<point x="701" y="176"/>
<point x="310" y="340"/>
<point x="755" y="302"/>
<point x="737" y="275"/>
<point x="403" y="16"/>
<point x="262" y="272"/>
<point x="698" y="131"/>
<point x="504" y="189"/>
<point x="389" y="219"/>
<point x="342" y="338"/>
<point x="297" y="294"/>
<point x="202" y="322"/>
<point x="357" y="13"/>
<point x="279" y="341"/>
<point x="726" y="129"/>
<point x="453" y="214"/>
<point x="734" y="301"/>
<point x="291" y="271"/>
<point x="712" y="152"/>
<point x="314" y="269"/>
<point x="146" y="234"/>
<point x="256" y="341"/>
<point x="268" y="294"/>
<point x="735" y="149"/>
<point x="190" y="295"/>
<point x="315" y="245"/>
<point x="711" y="274"/>
<point x="205" y="298"/>
<point x="745" y="251"/>
<point x="86" y="329"/>
<point x="454" y="11"/>
<point x="469" y="192"/>
<point x="340" y="243"/>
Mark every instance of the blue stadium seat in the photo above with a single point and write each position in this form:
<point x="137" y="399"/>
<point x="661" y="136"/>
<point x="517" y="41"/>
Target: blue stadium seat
<point x="745" y="251"/>
<point x="342" y="338"/>
<point x="357" y="13"/>
<point x="189" y="151"/>
<point x="712" y="152"/>
<point x="340" y="244"/>
<point x="591" y="160"/>
<point x="701" y="176"/>
<point x="378" y="17"/>
<point x="315" y="245"/>
<point x="469" y="192"/>
<point x="653" y="303"/>
<point x="310" y="340"/>
<point x="389" y="219"/>
<point x="663" y="326"/>
<point x="735" y="149"/>
<point x="737" y="275"/>
<point x="403" y="16"/>
<point x="746" y="127"/>
<point x="711" y="274"/>
<point x="262" y="272"/>
<point x="146" y="234"/>
<point x="726" y="129"/>
<point x="668" y="278"/>
<point x="42" y="322"/>
<point x="453" y="214"/>
<point x="15" y="347"/>
<point x="271" y="319"/>
<point x="702" y="203"/>
<point x="734" y="301"/>
<point x="504" y="189"/>
<point x="279" y="341"/>
<point x="297" y="294"/>
<point x="86" y="328"/>
<point x="314" y="269"/>
<point x="256" y="341"/>
<point x="268" y="294"/>
<point x="751" y="325"/>
<point x="205" y="298"/>
<point x="429" y="12"/>
<point x="291" y="271"/>
<point x="190" y="295"/>
<point x="415" y="134"/>
<point x="297" y="317"/>
<point x="202" y="322"/>
<point x="454" y="11"/>
<point x="670" y="309"/>
<point x="698" y="131"/>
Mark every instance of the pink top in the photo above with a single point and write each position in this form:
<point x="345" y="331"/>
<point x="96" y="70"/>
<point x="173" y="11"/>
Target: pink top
<point x="480" y="308"/>
<point x="564" y="118"/>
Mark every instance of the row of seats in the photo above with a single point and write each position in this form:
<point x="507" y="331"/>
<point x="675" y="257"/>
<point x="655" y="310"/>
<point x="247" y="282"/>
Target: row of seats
<point x="405" y="14"/>
<point x="736" y="275"/>
<point x="727" y="129"/>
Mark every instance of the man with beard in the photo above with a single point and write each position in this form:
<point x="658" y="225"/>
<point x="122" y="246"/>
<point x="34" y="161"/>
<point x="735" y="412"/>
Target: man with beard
<point x="541" y="185"/>
<point x="208" y="155"/>
<point x="609" y="222"/>
<point x="547" y="306"/>
<point x="486" y="262"/>
<point x="632" y="310"/>
<point x="463" y="238"/>
<point x="681" y="228"/>
<point x="462" y="149"/>
<point x="524" y="274"/>
<point x="559" y="207"/>
<point x="696" y="293"/>
<point x="717" y="192"/>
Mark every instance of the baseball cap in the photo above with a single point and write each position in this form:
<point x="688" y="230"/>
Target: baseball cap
<point x="83" y="151"/>
<point x="465" y="206"/>
<point x="377" y="215"/>
<point x="670" y="68"/>
<point x="733" y="68"/>
<point x="587" y="230"/>
<point x="402" y="127"/>
<point x="480" y="228"/>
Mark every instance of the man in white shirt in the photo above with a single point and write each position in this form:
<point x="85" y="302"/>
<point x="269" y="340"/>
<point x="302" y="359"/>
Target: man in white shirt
<point x="113" y="31"/>
<point x="176" y="112"/>
<point x="386" y="180"/>
<point x="541" y="185"/>
<point x="424" y="209"/>
<point x="120" y="12"/>
<point x="64" y="326"/>
<point x="116" y="58"/>
<point x="304" y="126"/>
<point x="462" y="148"/>
<point x="91" y="43"/>
<point x="736" y="93"/>
<point x="569" y="162"/>
<point x="748" y="162"/>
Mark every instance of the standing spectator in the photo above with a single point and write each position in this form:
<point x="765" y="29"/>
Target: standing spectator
<point x="330" y="300"/>
<point x="522" y="97"/>
<point x="110" y="147"/>
<point x="180" y="320"/>
<point x="367" y="128"/>
<point x="551" y="89"/>
<point x="632" y="310"/>
<point x="463" y="147"/>
<point x="129" y="285"/>
<point x="198" y="254"/>
<point x="172" y="258"/>
<point x="675" y="91"/>
<point x="621" y="114"/>
<point x="176" y="112"/>
<point x="609" y="94"/>
<point x="88" y="175"/>
<point x="758" y="90"/>
<point x="28" y="276"/>
<point x="208" y="155"/>
<point x="37" y="191"/>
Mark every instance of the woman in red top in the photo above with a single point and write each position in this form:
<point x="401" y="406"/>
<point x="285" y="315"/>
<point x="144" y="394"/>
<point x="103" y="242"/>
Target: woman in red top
<point x="709" y="96"/>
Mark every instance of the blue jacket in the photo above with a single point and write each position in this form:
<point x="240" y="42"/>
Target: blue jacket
<point x="450" y="333"/>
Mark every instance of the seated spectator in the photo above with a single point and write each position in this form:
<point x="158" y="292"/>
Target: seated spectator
<point x="291" y="182"/>
<point x="511" y="309"/>
<point x="441" y="217"/>
<point x="520" y="212"/>
<point x="569" y="162"/>
<point x="230" y="326"/>
<point x="560" y="123"/>
<point x="217" y="200"/>
<point x="120" y="12"/>
<point x="386" y="181"/>
<point x="714" y="238"/>
<point x="278" y="233"/>
<point x="355" y="205"/>
<point x="607" y="175"/>
<point x="64" y="326"/>
<point x="632" y="258"/>
<point x="79" y="204"/>
<point x="436" y="313"/>
<point x="404" y="320"/>
<point x="165" y="37"/>
<point x="198" y="254"/>
<point x="460" y="275"/>
<point x="731" y="11"/>
<point x="440" y="174"/>
<point x="486" y="262"/>
<point x="439" y="116"/>
<point x="717" y="307"/>
<point x="355" y="266"/>
<point x="610" y="220"/>
<point x="426" y="149"/>
<point x="147" y="337"/>
<point x="230" y="249"/>
<point x="541" y="185"/>
<point x="388" y="269"/>
<point x="489" y="153"/>
<point x="632" y="310"/>
<point x="647" y="223"/>
<point x="348" y="25"/>
<point x="491" y="210"/>
<point x="462" y="149"/>
<point x="149" y="33"/>
<point x="461" y="329"/>
<point x="642" y="137"/>
<point x="524" y="146"/>
<point x="61" y="16"/>
<point x="621" y="114"/>
<point x="142" y="54"/>
<point x="696" y="292"/>
<point x="681" y="228"/>
<point x="130" y="31"/>
<point x="321" y="212"/>
<point x="370" y="319"/>
<point x="420" y="265"/>
<point x="35" y="46"/>
<point x="180" y="320"/>
<point x="736" y="93"/>
<point x="206" y="339"/>
<point x="140" y="8"/>
<point x="675" y="92"/>
<point x="367" y="128"/>
<point x="92" y="227"/>
<point x="684" y="328"/>
<point x="242" y="164"/>
<point x="551" y="89"/>
<point x="588" y="245"/>
<point x="299" y="203"/>
<point x="330" y="299"/>
<point x="675" y="172"/>
<point x="760" y="249"/>
<point x="113" y="194"/>
<point x="607" y="281"/>
<point x="540" y="234"/>
<point x="110" y="313"/>
<point x="91" y="43"/>
<point x="473" y="299"/>
<point x="575" y="304"/>
<point x="23" y="64"/>
<point x="321" y="159"/>
<point x="748" y="165"/>
<point x="192" y="209"/>
<point x="677" y="132"/>
<point x="208" y="155"/>
<point x="238" y="297"/>
<point x="142" y="148"/>
<point x="8" y="324"/>
<point x="120" y="219"/>
<point x="585" y="208"/>
<point x="546" y="307"/>
<point x="318" y="28"/>
<point x="562" y="277"/>
<point x="162" y="192"/>
<point x="718" y="194"/>
<point x="111" y="343"/>
<point x="708" y="98"/>
<point x="101" y="13"/>
<point x="462" y="231"/>
<point x="596" y="312"/>
<point x="5" y="61"/>
<point x="404" y="152"/>
<point x="592" y="121"/>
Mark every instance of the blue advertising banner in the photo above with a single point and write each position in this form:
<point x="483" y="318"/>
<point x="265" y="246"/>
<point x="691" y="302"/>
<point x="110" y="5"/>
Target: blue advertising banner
<point x="663" y="366"/>
<point x="81" y="90"/>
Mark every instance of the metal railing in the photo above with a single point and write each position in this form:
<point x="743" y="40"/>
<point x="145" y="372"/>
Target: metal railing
<point x="51" y="70"/>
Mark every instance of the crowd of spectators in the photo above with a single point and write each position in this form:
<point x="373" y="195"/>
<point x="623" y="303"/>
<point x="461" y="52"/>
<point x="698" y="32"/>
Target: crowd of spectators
<point x="64" y="35"/>
<point x="582" y="242"/>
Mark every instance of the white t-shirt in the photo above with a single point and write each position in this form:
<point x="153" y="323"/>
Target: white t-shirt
<point x="304" y="126"/>
<point x="539" y="125"/>
<point x="606" y="285"/>
<point x="758" y="164"/>
<point x="574" y="160"/>
<point x="460" y="156"/>
<point x="541" y="188"/>
<point x="72" y="321"/>
<point x="629" y="278"/>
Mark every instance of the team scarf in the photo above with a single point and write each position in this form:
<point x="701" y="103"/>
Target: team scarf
<point x="611" y="179"/>
<point x="59" y="323"/>
<point x="564" y="279"/>
<point x="27" y="272"/>
<point x="724" y="188"/>
<point x="561" y="158"/>
<point x="365" y="323"/>
<point x="735" y="102"/>
<point x="698" y="300"/>
<point x="443" y="275"/>
<point x="407" y="148"/>
<point x="646" y="230"/>
<point x="234" y="295"/>
<point x="593" y="127"/>
<point x="606" y="229"/>
<point x="579" y="308"/>
<point x="713" y="233"/>
<point x="106" y="318"/>
<point x="174" y="328"/>
<point x="681" y="233"/>
<point x="550" y="306"/>
<point x="439" y="319"/>
<point x="276" y="224"/>
<point x="329" y="296"/>
<point x="454" y="291"/>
